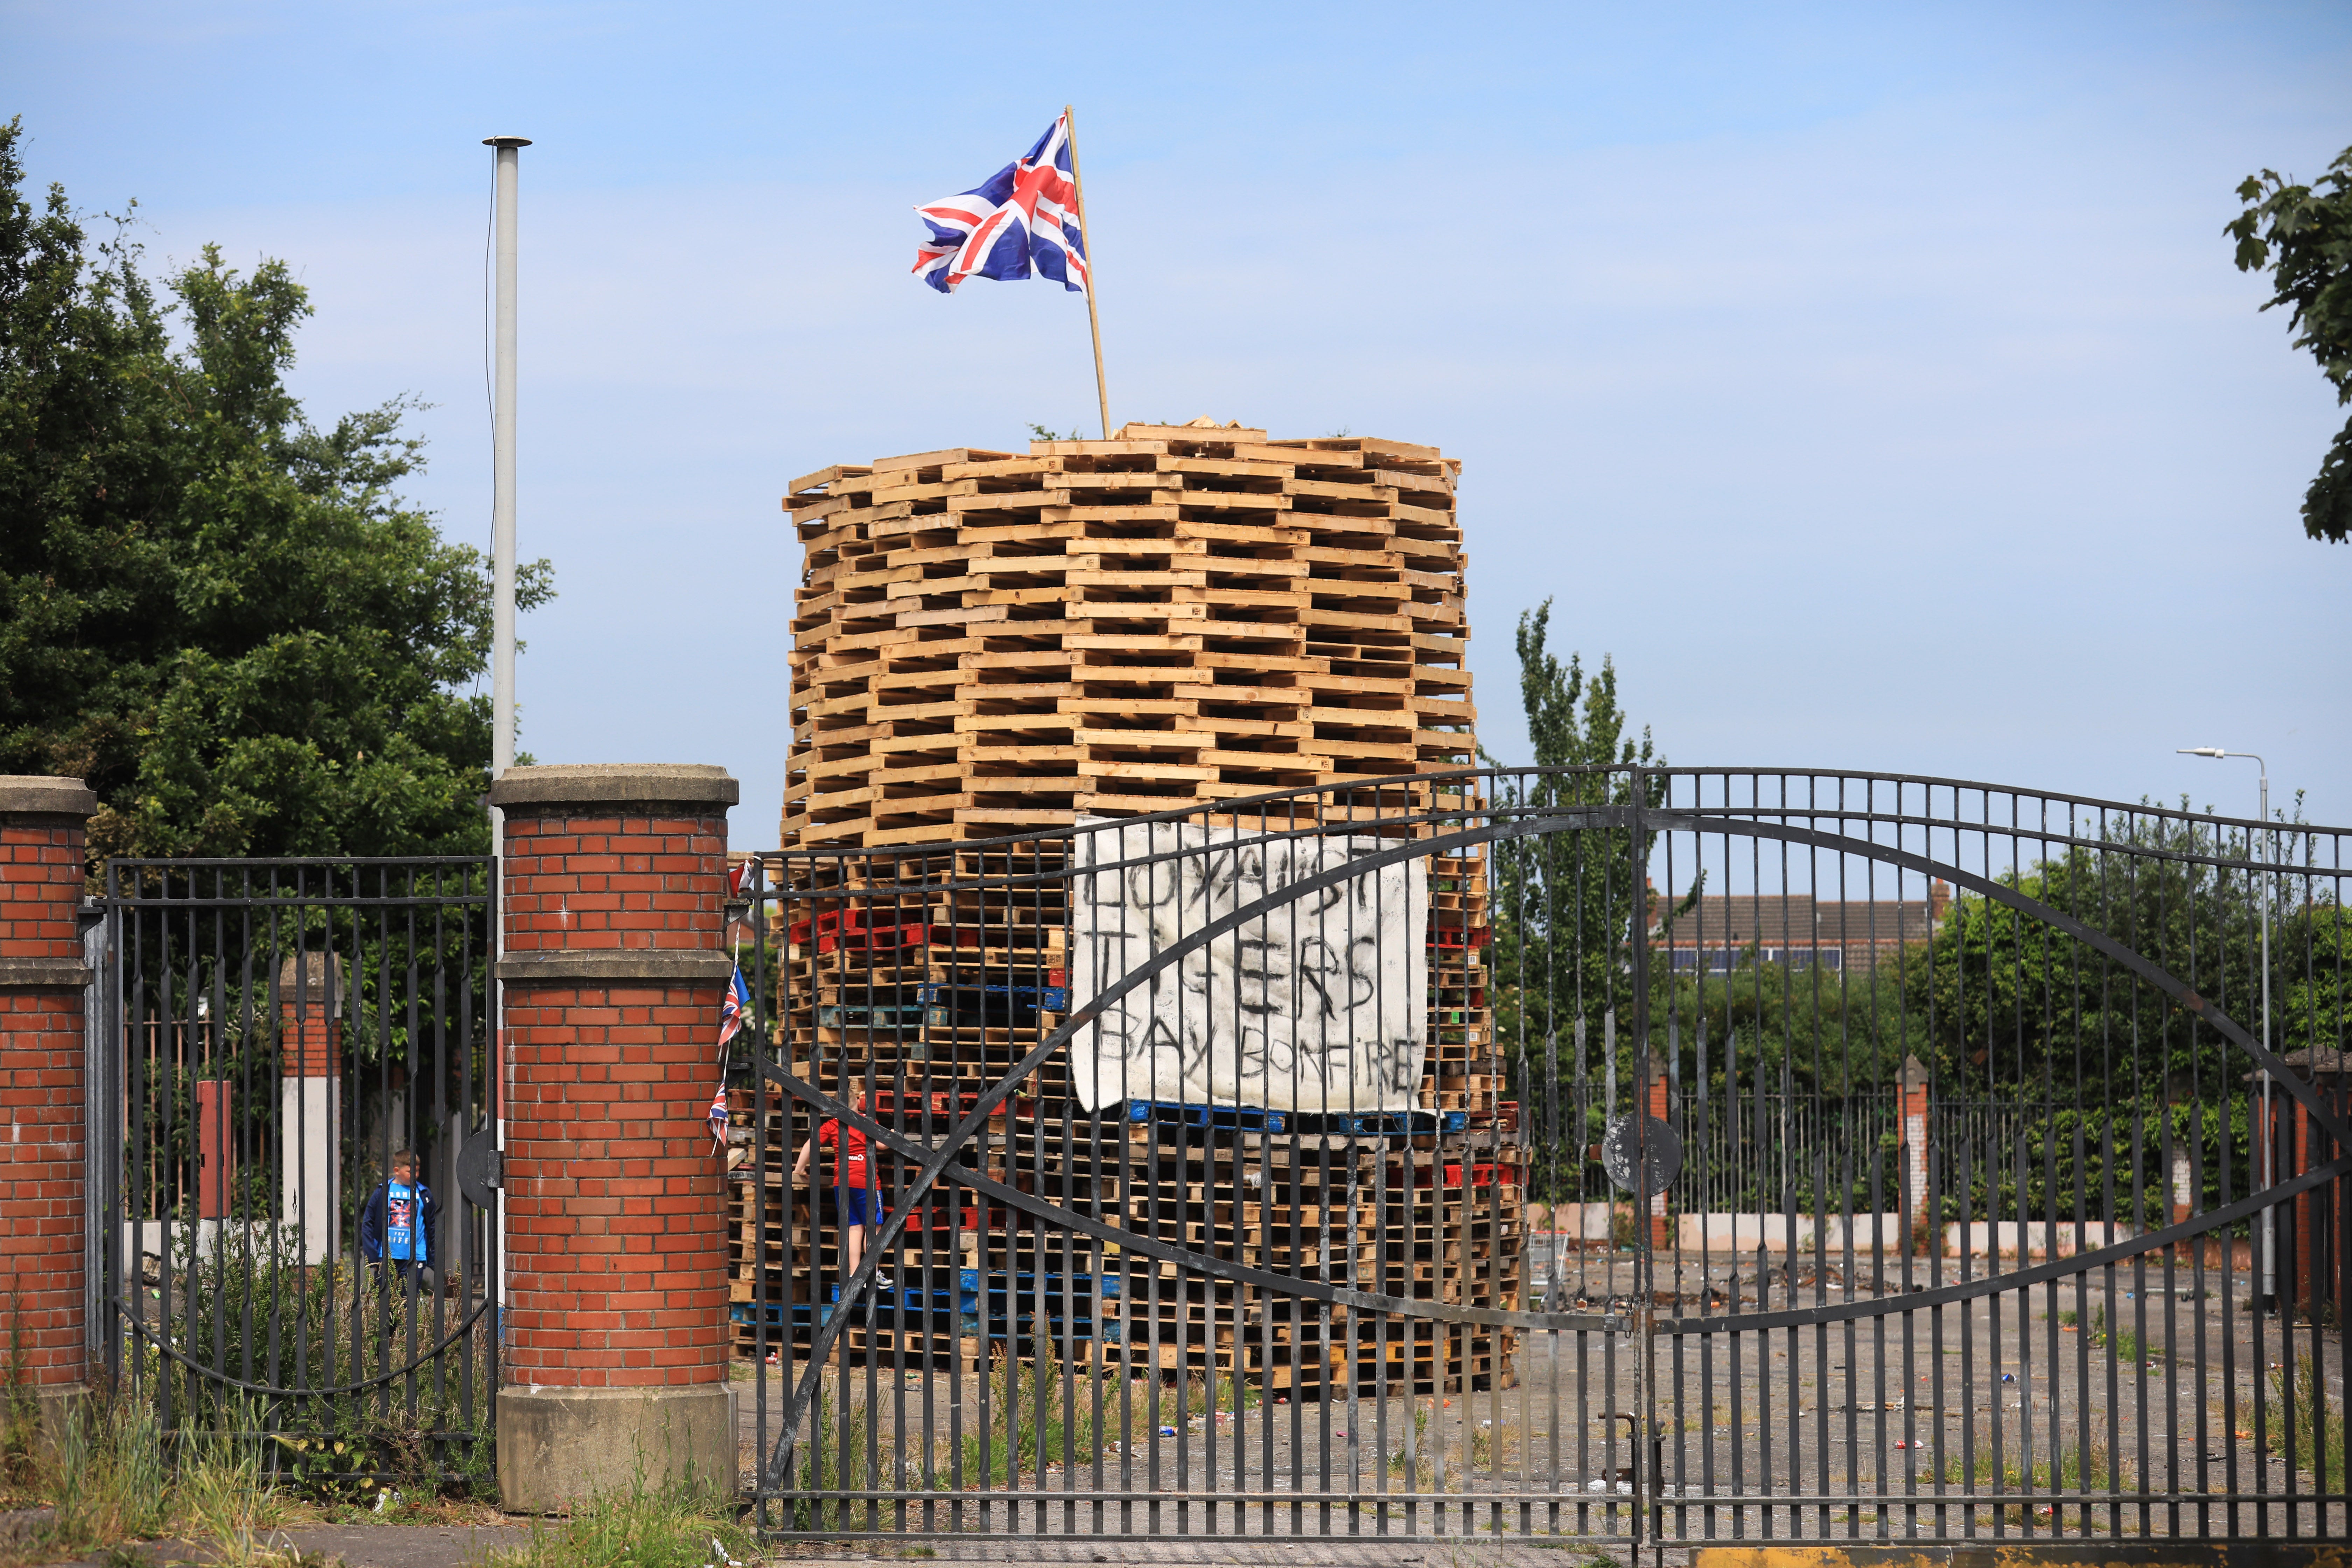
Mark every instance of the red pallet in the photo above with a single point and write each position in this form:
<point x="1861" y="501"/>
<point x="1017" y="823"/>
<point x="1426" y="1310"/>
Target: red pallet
<point x="965" y="1220"/>
<point x="1504" y="1118"/>
<point x="1483" y="1175"/>
<point x="949" y="1103"/>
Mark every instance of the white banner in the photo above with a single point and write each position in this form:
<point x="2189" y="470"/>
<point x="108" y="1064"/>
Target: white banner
<point x="1321" y="1005"/>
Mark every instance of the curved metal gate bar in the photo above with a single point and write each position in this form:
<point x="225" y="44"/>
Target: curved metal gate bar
<point x="1531" y="819"/>
<point x="271" y="1034"/>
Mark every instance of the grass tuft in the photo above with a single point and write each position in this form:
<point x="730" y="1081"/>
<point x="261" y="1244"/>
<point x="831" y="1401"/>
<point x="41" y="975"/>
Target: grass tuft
<point x="112" y="1483"/>
<point x="2318" y="1429"/>
<point x="2127" y="1345"/>
<point x="2071" y="1475"/>
<point x="1017" y="1438"/>
<point x="643" y="1527"/>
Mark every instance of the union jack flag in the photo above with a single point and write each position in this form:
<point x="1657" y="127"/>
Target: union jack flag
<point x="1026" y="215"/>
<point x="719" y="1118"/>
<point x="731" y="1010"/>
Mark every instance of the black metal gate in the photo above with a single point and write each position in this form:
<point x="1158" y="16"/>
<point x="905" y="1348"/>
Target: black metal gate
<point x="293" y="1092"/>
<point x="1627" y="1153"/>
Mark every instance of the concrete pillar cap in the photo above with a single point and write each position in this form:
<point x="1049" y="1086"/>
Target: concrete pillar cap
<point x="313" y="979"/>
<point x="615" y="783"/>
<point x="1915" y="1073"/>
<point x="44" y="795"/>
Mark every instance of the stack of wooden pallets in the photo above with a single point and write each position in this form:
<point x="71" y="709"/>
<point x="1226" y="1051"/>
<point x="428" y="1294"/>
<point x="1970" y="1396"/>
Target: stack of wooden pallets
<point x="988" y="643"/>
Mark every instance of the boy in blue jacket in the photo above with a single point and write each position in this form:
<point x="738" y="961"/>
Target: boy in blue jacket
<point x="396" y="1226"/>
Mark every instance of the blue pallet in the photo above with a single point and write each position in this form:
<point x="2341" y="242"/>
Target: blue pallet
<point x="968" y="1281"/>
<point x="899" y="1296"/>
<point x="1049" y="997"/>
<point x="1233" y="1117"/>
<point x="1382" y="1123"/>
<point x="770" y="1313"/>
<point x="1333" y="1123"/>
<point x="880" y="1020"/>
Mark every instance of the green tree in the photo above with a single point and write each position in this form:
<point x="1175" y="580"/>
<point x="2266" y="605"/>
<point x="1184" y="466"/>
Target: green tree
<point x="220" y="615"/>
<point x="2305" y="237"/>
<point x="1566" y="904"/>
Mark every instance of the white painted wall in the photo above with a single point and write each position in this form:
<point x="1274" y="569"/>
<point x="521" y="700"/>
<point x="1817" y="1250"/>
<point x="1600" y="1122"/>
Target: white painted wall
<point x="309" y="1121"/>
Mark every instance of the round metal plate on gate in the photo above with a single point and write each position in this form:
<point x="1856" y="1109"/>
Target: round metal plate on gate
<point x="1663" y="1145"/>
<point x="479" y="1173"/>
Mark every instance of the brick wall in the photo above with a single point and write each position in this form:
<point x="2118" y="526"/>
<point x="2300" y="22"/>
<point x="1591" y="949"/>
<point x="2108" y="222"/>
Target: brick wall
<point x="41" y="1071"/>
<point x="617" y="1251"/>
<point x="1659" y="1105"/>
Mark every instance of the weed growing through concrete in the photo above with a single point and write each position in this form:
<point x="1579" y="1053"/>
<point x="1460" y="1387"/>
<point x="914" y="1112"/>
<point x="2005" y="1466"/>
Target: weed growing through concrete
<point x="2074" y="1473"/>
<point x="219" y="1493"/>
<point x="1029" y="1426"/>
<point x="2317" y="1427"/>
<point x="20" y="1424"/>
<point x="111" y="1481"/>
<point x="1208" y="1395"/>
<point x="1413" y="1453"/>
<point x="643" y="1527"/>
<point x="2129" y="1348"/>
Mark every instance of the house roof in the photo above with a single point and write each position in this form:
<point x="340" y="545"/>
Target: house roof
<point x="1799" y="920"/>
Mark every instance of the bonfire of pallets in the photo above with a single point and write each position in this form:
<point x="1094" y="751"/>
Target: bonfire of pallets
<point x="988" y="643"/>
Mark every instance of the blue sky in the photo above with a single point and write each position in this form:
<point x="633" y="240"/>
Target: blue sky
<point x="1873" y="384"/>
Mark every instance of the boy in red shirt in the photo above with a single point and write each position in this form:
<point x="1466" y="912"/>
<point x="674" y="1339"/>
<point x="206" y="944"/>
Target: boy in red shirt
<point x="857" y="1186"/>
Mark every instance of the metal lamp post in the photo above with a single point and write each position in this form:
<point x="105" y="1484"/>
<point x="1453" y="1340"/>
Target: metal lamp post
<point x="2270" y="1133"/>
<point x="508" y="152"/>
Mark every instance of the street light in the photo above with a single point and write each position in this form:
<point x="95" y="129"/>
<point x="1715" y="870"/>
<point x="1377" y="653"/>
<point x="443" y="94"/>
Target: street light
<point x="2270" y="1133"/>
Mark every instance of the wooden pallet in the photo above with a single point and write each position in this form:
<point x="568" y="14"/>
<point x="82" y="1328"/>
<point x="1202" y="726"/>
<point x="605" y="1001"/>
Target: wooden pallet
<point x="986" y="642"/>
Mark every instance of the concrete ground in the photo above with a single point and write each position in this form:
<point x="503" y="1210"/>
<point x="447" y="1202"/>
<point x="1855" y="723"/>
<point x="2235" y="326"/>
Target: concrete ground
<point x="2018" y="1391"/>
<point x="354" y="1546"/>
<point x="2155" y="1375"/>
<point x="419" y="1546"/>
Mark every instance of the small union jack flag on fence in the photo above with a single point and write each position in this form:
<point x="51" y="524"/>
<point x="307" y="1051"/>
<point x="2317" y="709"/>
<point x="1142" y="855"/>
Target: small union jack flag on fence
<point x="718" y="1119"/>
<point x="732" y="1011"/>
<point x="1025" y="216"/>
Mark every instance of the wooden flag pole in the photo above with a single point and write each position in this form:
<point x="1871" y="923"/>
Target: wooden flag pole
<point x="1094" y="321"/>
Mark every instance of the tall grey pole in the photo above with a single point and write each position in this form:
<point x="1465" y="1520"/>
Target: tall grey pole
<point x="508" y="150"/>
<point x="502" y="457"/>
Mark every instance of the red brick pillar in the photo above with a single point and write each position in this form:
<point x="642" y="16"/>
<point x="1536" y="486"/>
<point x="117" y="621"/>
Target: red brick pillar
<point x="611" y="889"/>
<point x="1660" y="1104"/>
<point x="2305" y="1239"/>
<point x="44" y="1214"/>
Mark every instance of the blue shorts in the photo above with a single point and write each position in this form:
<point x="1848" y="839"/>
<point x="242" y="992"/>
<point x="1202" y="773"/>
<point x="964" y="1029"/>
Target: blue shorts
<point x="855" y="1202"/>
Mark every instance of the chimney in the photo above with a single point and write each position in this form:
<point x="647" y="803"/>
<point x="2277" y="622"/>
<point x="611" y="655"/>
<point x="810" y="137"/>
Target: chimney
<point x="1940" y="899"/>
